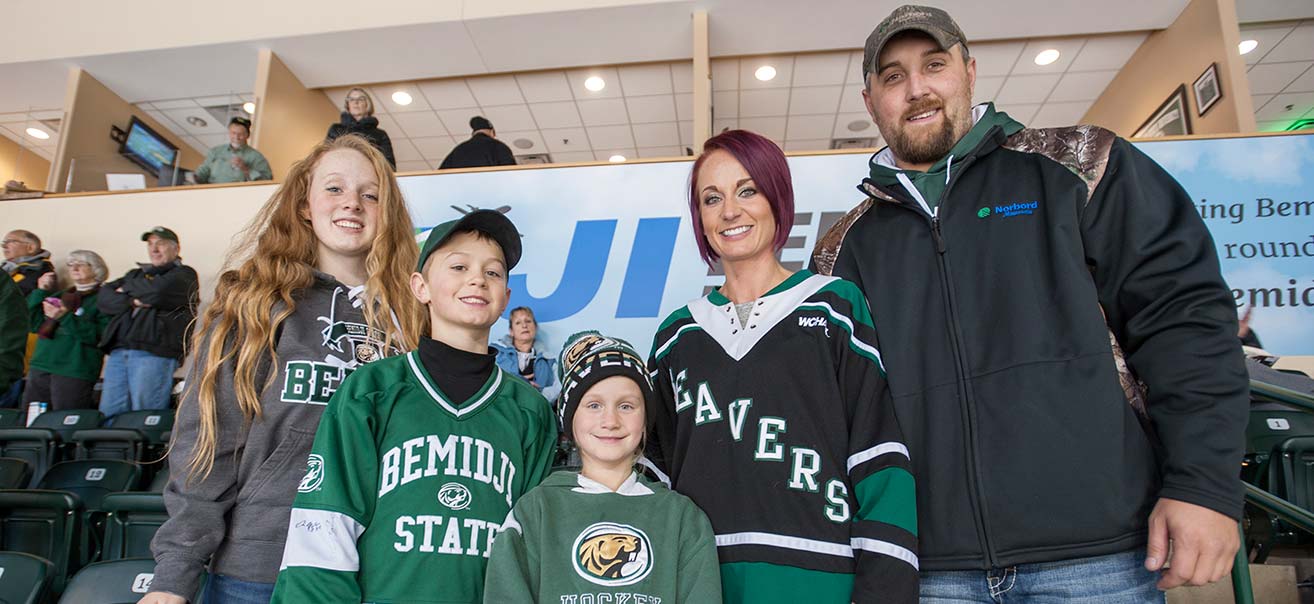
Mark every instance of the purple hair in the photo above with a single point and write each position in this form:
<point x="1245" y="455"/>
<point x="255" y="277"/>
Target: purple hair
<point x="766" y="165"/>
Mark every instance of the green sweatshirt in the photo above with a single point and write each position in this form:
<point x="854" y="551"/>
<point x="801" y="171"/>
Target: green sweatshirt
<point x="932" y="183"/>
<point x="73" y="352"/>
<point x="573" y="541"/>
<point x="13" y="334"/>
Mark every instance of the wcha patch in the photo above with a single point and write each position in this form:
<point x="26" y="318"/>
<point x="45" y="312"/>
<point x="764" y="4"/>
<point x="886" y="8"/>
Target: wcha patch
<point x="612" y="555"/>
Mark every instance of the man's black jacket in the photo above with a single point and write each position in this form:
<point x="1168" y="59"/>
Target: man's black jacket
<point x="162" y="328"/>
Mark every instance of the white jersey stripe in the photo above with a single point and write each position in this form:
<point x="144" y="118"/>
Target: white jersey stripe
<point x="885" y="548"/>
<point x="661" y="350"/>
<point x="322" y="539"/>
<point x="861" y="457"/>
<point x="647" y="463"/>
<point x="786" y="542"/>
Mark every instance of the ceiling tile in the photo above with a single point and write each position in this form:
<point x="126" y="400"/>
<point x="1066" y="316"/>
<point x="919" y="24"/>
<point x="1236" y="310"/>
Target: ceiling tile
<point x="420" y="123"/>
<point x="820" y="69"/>
<point x="387" y="124"/>
<point x="659" y="152"/>
<point x="413" y="166"/>
<point x="163" y="120"/>
<point x="1276" y="109"/>
<point x="1026" y="89"/>
<point x="1053" y="115"/>
<point x="1297" y="46"/>
<point x="603" y="112"/>
<point x="684" y="106"/>
<point x="175" y="104"/>
<point x="383" y="98"/>
<point x="843" y="120"/>
<point x="1259" y="100"/>
<point x="457" y="121"/>
<point x="648" y="109"/>
<point x="686" y="133"/>
<point x="816" y="144"/>
<point x="510" y="117"/>
<point x="784" y="65"/>
<point x="1267" y="37"/>
<point x="656" y="135"/>
<point x="518" y="140"/>
<point x="725" y="74"/>
<point x="814" y="100"/>
<point x="1022" y="112"/>
<point x="644" y="80"/>
<point x="212" y="101"/>
<point x="809" y="126"/>
<point x="987" y="88"/>
<point x="563" y="114"/>
<point x="1026" y="64"/>
<point x="1082" y="86"/>
<point x="606" y="137"/>
<point x="1304" y="83"/>
<point x="770" y="127"/>
<point x="495" y="90"/>
<point x="545" y="86"/>
<point x="720" y="125"/>
<point x="577" y="78"/>
<point x="759" y="103"/>
<point x="1272" y="78"/>
<point x="682" y="76"/>
<point x="179" y="117"/>
<point x="1106" y="52"/>
<point x="995" y="58"/>
<point x="854" y="73"/>
<point x="573" y="157"/>
<point x="725" y="103"/>
<point x="851" y="99"/>
<point x="447" y="94"/>
<point x="605" y="154"/>
<point x="434" y="148"/>
<point x="560" y="140"/>
<point x="403" y="150"/>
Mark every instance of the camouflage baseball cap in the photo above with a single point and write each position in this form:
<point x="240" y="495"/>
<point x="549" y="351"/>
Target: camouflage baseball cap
<point x="926" y="19"/>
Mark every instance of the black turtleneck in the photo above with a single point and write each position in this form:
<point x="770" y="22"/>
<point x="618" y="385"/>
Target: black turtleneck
<point x="459" y="374"/>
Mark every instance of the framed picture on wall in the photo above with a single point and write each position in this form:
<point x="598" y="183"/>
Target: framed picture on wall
<point x="1207" y="90"/>
<point x="1170" y="119"/>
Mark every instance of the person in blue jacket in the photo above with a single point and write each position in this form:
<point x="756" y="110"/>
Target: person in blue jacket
<point x="521" y="353"/>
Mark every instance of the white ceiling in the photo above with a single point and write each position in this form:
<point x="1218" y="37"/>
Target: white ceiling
<point x="1281" y="72"/>
<point x="205" y="130"/>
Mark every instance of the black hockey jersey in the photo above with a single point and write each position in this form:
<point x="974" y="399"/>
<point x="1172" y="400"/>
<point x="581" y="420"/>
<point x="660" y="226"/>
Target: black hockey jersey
<point x="782" y="430"/>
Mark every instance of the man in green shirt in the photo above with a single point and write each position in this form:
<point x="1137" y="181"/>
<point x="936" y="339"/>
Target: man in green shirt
<point x="236" y="161"/>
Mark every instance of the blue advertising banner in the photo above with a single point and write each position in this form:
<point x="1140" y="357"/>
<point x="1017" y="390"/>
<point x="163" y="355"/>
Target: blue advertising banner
<point x="611" y="247"/>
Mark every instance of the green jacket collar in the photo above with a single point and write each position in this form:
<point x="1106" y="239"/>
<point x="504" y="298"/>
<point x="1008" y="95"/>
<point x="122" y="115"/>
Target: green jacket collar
<point x="884" y="171"/>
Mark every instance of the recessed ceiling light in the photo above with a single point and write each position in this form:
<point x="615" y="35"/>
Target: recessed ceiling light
<point x="196" y="121"/>
<point x="401" y="97"/>
<point x="765" y="73"/>
<point x="616" y="159"/>
<point x="523" y="143"/>
<point x="859" y="125"/>
<point x="35" y="132"/>
<point x="249" y="107"/>
<point x="1047" y="56"/>
<point x="1247" y="45"/>
<point x="595" y="84"/>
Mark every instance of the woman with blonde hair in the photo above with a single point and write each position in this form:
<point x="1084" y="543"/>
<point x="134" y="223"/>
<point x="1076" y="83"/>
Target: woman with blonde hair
<point x="316" y="288"/>
<point x="358" y="118"/>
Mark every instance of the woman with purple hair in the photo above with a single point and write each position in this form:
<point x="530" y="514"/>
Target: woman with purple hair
<point x="774" y="415"/>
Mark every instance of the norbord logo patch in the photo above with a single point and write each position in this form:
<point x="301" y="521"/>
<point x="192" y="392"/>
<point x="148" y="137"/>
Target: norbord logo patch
<point x="1022" y="208"/>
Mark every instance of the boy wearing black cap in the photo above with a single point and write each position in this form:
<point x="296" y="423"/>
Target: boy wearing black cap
<point x="630" y="539"/>
<point x="419" y="458"/>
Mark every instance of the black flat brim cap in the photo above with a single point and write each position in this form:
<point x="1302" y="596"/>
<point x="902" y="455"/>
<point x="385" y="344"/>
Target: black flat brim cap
<point x="489" y="222"/>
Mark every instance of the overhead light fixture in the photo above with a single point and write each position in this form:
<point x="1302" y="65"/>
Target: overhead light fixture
<point x="595" y="84"/>
<point x="523" y="143"/>
<point x="249" y="107"/>
<point x="765" y="73"/>
<point x="401" y="97"/>
<point x="35" y="132"/>
<point x="616" y="159"/>
<point x="196" y="121"/>
<point x="859" y="125"/>
<point x="1047" y="56"/>
<point x="1247" y="45"/>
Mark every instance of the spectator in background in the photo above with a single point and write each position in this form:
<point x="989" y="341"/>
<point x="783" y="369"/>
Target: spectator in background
<point x="483" y="148"/>
<point x="69" y="326"/>
<point x="235" y="161"/>
<point x="520" y="353"/>
<point x="359" y="119"/>
<point x="25" y="261"/>
<point x="13" y="340"/>
<point x="151" y="310"/>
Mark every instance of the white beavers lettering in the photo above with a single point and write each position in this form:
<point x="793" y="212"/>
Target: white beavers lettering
<point x="453" y="455"/>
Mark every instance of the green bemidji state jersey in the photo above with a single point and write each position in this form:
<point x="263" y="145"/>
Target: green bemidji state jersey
<point x="405" y="489"/>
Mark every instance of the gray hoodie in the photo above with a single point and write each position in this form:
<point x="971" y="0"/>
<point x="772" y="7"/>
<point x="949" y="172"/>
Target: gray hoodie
<point x="235" y="520"/>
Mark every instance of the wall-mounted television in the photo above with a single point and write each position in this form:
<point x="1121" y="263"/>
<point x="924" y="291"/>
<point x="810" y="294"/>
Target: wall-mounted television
<point x="146" y="148"/>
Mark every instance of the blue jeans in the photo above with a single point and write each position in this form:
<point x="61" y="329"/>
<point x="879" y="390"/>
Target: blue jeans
<point x="1115" y="578"/>
<point x="136" y="380"/>
<point x="227" y="590"/>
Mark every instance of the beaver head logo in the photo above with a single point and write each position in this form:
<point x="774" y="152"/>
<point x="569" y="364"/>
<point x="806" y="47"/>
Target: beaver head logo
<point x="613" y="554"/>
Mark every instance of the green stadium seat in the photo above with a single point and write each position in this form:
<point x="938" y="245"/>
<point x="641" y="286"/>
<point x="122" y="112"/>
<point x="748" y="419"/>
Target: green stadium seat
<point x="109" y="443"/>
<point x="23" y="578"/>
<point x="15" y="473"/>
<point x="130" y="523"/>
<point x="42" y="523"/>
<point x="91" y="481"/>
<point x="1269" y="425"/>
<point x="159" y="480"/>
<point x="113" y="582"/>
<point x="43" y="442"/>
<point x="11" y="418"/>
